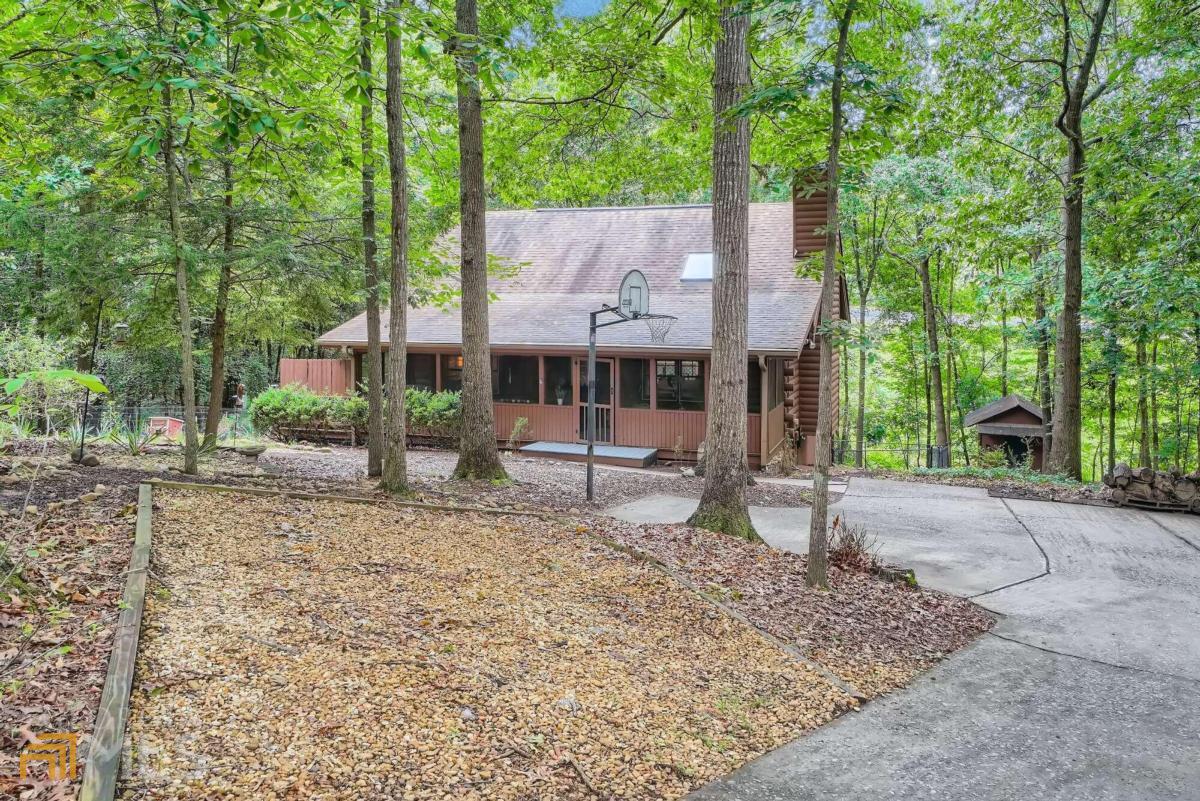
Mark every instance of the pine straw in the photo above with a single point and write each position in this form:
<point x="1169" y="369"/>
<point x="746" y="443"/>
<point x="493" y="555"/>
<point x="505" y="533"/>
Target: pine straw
<point x="874" y="634"/>
<point x="304" y="649"/>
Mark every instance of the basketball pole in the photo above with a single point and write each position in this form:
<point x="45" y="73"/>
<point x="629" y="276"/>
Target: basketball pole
<point x="591" y="406"/>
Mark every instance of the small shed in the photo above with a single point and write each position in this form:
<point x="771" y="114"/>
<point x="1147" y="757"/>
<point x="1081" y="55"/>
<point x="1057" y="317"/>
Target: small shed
<point x="1015" y="424"/>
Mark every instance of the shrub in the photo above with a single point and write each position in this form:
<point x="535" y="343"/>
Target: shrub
<point x="296" y="406"/>
<point x="439" y="412"/>
<point x="998" y="474"/>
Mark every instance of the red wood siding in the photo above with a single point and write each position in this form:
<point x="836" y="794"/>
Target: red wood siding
<point x="775" y="429"/>
<point x="323" y="376"/>
<point x="802" y="378"/>
<point x="554" y="423"/>
<point x="808" y="221"/>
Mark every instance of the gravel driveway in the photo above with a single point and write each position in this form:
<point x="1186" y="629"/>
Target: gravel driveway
<point x="1087" y="689"/>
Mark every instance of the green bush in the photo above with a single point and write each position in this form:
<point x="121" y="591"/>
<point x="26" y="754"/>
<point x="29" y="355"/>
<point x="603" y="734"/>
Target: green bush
<point x="299" y="407"/>
<point x="440" y="411"/>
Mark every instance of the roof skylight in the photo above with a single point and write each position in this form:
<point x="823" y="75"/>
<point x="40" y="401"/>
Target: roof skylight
<point x="697" y="267"/>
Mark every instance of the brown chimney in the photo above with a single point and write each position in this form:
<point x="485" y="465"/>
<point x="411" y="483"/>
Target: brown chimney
<point x="808" y="212"/>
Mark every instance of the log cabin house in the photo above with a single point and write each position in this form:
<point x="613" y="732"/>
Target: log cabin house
<point x="558" y="265"/>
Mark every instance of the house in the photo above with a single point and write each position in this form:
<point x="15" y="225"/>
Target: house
<point x="1013" y="424"/>
<point x="558" y="265"/>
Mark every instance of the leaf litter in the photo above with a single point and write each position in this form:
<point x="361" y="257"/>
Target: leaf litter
<point x="311" y="649"/>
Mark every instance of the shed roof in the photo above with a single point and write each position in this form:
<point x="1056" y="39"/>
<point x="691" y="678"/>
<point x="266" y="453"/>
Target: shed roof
<point x="568" y="262"/>
<point x="998" y="407"/>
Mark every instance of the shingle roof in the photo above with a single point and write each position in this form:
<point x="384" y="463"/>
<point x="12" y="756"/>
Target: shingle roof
<point x="1000" y="406"/>
<point x="570" y="261"/>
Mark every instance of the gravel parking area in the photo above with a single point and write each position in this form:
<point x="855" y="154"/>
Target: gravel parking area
<point x="536" y="482"/>
<point x="318" y="650"/>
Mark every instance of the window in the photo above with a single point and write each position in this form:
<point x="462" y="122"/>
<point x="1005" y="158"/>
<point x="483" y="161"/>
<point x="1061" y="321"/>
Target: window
<point x="558" y="381"/>
<point x="420" y="371"/>
<point x="515" y="379"/>
<point x="635" y="383"/>
<point x="452" y="367"/>
<point x="697" y="267"/>
<point x="680" y="385"/>
<point x="753" y="388"/>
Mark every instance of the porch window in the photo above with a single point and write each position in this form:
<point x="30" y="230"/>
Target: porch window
<point x="680" y="385"/>
<point x="558" y="390"/>
<point x="420" y="371"/>
<point x="635" y="383"/>
<point x="753" y="388"/>
<point x="452" y="367"/>
<point x="515" y="379"/>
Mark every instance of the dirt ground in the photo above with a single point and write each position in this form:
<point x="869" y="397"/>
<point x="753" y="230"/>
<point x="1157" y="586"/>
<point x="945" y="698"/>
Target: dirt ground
<point x="72" y="545"/>
<point x="298" y="649"/>
<point x="539" y="483"/>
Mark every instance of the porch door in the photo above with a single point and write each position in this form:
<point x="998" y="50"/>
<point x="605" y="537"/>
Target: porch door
<point x="604" y="412"/>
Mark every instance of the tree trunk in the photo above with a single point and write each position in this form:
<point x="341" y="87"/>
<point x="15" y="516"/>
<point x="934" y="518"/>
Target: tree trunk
<point x="1112" y="416"/>
<point x="478" y="457"/>
<point x="941" y="431"/>
<point x="1003" y="334"/>
<point x="1143" y="414"/>
<point x="216" y="385"/>
<point x="191" y="437"/>
<point x="818" y="543"/>
<point x="723" y="502"/>
<point x="395" y="462"/>
<point x="374" y="360"/>
<point x="1153" y="381"/>
<point x="1042" y="378"/>
<point x="1066" y="435"/>
<point x="861" y="415"/>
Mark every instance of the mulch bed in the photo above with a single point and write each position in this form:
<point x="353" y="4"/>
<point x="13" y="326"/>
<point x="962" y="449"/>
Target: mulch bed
<point x="876" y="635"/>
<point x="305" y="649"/>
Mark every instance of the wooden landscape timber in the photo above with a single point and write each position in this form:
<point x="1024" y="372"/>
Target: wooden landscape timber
<point x="1156" y="489"/>
<point x="108" y="736"/>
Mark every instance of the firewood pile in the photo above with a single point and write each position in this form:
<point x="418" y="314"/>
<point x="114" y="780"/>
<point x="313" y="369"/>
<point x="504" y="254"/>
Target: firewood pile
<point x="1160" y="489"/>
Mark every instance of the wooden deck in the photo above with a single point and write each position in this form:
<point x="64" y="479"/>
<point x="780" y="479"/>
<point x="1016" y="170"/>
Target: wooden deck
<point x="621" y="455"/>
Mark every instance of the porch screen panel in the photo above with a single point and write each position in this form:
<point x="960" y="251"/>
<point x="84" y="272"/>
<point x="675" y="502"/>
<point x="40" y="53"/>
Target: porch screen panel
<point x="452" y="367"/>
<point x="420" y="371"/>
<point x="753" y="387"/>
<point x="680" y="385"/>
<point x="515" y="379"/>
<point x="635" y="383"/>
<point x="558" y="381"/>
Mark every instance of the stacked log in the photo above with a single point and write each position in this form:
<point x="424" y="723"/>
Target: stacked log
<point x="1144" y="485"/>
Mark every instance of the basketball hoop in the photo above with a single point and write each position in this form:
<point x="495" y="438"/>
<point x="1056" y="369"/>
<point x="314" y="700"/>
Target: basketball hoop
<point x="659" y="326"/>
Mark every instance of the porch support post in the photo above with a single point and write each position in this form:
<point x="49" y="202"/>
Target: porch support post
<point x="591" y="405"/>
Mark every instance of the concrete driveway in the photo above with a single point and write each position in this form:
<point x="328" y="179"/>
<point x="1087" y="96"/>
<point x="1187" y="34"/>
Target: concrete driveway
<point x="1087" y="689"/>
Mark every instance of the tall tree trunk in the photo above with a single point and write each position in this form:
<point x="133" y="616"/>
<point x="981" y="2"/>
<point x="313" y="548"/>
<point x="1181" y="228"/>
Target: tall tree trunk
<point x="1143" y="415"/>
<point x="1153" y="381"/>
<point x="374" y="360"/>
<point x="1003" y="334"/>
<point x="478" y="457"/>
<point x="1067" y="431"/>
<point x="942" y="433"/>
<point x="1042" y="379"/>
<point x="191" y="446"/>
<point x="818" y="530"/>
<point x="723" y="502"/>
<point x="216" y="385"/>
<point x="1113" y="353"/>
<point x="861" y="414"/>
<point x="395" y="462"/>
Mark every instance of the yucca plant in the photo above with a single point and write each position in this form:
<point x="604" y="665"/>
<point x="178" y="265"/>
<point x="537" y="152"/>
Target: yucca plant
<point x="134" y="441"/>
